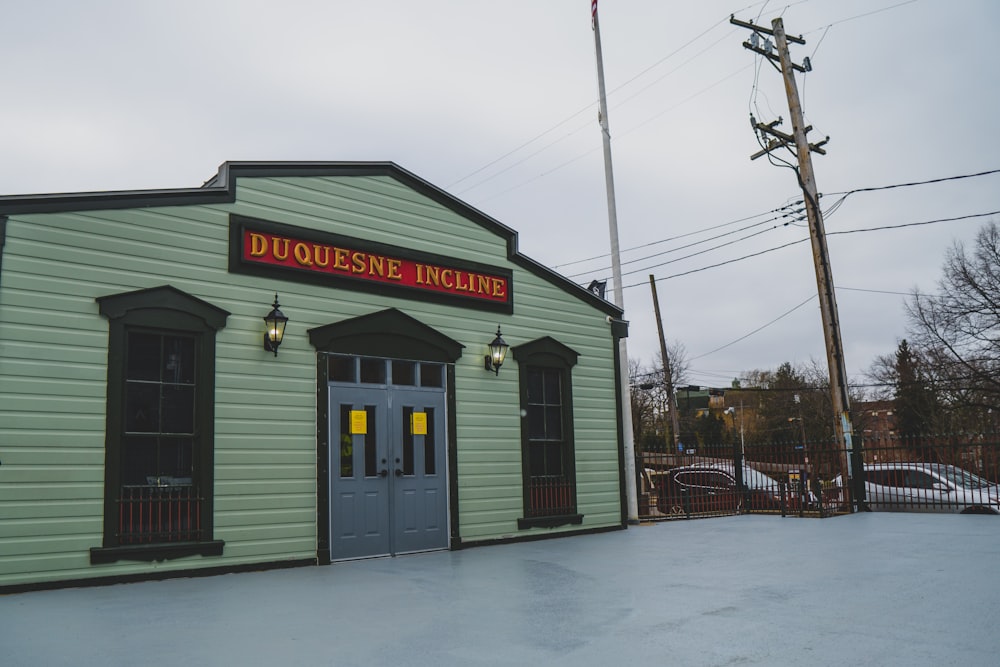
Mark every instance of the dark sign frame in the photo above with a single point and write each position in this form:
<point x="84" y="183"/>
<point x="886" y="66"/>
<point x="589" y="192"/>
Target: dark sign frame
<point x="400" y="259"/>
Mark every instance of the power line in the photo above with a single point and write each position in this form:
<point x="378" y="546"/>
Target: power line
<point x="915" y="224"/>
<point x="849" y="231"/>
<point x="832" y="209"/>
<point x="758" y="329"/>
<point x="915" y="183"/>
<point x="877" y="291"/>
<point x="730" y="261"/>
<point x="694" y="233"/>
<point x="696" y="243"/>
<point x="625" y="100"/>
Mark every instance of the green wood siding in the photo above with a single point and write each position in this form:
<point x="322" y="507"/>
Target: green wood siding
<point x="53" y="356"/>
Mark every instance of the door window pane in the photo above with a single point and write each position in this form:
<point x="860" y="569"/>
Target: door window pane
<point x="342" y="369"/>
<point x="431" y="375"/>
<point x="407" y="441"/>
<point x="371" y="451"/>
<point x="404" y="373"/>
<point x="373" y="371"/>
<point x="346" y="443"/>
<point x="430" y="460"/>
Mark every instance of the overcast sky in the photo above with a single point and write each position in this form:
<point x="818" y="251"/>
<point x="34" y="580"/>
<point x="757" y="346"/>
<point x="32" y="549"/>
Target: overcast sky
<point x="496" y="102"/>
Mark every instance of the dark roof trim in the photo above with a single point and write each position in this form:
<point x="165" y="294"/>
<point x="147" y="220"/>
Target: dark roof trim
<point x="221" y="189"/>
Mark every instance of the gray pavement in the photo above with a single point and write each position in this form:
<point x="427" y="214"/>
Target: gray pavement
<point x="867" y="589"/>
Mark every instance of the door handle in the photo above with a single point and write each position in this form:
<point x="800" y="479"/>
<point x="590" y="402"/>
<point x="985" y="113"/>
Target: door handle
<point x="383" y="473"/>
<point x="399" y="473"/>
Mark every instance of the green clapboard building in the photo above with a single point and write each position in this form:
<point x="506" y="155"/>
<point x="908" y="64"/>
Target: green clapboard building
<point x="289" y="365"/>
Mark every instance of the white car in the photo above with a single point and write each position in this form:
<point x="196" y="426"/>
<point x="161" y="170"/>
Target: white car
<point x="929" y="487"/>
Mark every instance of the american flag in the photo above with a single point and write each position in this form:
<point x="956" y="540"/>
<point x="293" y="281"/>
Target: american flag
<point x="593" y="11"/>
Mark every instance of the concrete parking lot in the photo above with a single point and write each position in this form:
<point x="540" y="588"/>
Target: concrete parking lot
<point x="865" y="589"/>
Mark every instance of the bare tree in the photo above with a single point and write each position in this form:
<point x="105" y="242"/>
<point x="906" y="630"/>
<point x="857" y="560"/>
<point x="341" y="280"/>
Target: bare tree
<point x="651" y="420"/>
<point x="958" y="330"/>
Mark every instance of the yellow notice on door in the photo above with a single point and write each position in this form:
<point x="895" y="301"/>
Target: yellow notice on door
<point x="418" y="423"/>
<point x="359" y="422"/>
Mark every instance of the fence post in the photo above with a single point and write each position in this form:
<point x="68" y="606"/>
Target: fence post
<point x="858" y="501"/>
<point x="738" y="473"/>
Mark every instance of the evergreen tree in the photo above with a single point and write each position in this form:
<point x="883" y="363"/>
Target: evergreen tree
<point x="914" y="400"/>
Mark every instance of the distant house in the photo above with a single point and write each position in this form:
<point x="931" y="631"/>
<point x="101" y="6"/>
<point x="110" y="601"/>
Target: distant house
<point x="290" y="365"/>
<point x="874" y="419"/>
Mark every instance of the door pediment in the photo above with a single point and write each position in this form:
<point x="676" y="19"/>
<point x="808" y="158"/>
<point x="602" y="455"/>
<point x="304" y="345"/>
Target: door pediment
<point x="386" y="333"/>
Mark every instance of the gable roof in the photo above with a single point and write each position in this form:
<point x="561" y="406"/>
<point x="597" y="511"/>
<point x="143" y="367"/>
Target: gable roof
<point x="221" y="189"/>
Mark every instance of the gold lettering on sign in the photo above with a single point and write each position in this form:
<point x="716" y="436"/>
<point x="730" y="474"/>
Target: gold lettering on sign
<point x="394" y="272"/>
<point x="433" y="275"/>
<point x="358" y="262"/>
<point x="302" y="254"/>
<point x="258" y="245"/>
<point x="291" y="252"/>
<point x="325" y="261"/>
<point x="279" y="248"/>
<point x="340" y="259"/>
<point x="482" y="284"/>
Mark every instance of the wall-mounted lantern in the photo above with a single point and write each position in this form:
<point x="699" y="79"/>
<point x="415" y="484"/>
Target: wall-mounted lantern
<point x="274" y="327"/>
<point x="498" y="351"/>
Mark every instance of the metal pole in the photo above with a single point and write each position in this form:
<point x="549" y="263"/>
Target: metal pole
<point x="821" y="256"/>
<point x="616" y="271"/>
<point x="668" y="379"/>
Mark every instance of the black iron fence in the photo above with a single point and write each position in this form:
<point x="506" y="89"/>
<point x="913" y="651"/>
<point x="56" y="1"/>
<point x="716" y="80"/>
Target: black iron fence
<point x="955" y="473"/>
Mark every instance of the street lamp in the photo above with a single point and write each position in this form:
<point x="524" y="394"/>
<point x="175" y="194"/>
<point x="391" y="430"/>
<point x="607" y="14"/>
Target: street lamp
<point x="730" y="411"/>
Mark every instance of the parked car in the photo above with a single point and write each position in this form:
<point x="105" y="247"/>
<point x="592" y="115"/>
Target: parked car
<point x="929" y="487"/>
<point x="710" y="488"/>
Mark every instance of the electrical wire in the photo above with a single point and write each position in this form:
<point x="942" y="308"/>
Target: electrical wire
<point x="679" y="236"/>
<point x="915" y="183"/>
<point x="693" y="244"/>
<point x="833" y="209"/>
<point x="717" y="265"/>
<point x="915" y="224"/>
<point x="757" y="330"/>
<point x="786" y="245"/>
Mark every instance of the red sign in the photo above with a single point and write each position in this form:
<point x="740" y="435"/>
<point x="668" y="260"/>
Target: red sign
<point x="279" y="250"/>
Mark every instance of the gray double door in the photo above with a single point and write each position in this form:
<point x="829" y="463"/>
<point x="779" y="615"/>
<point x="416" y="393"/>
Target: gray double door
<point x="388" y="477"/>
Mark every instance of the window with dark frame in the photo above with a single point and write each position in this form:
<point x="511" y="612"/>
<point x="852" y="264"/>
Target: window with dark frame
<point x="548" y="458"/>
<point x="159" y="501"/>
<point x="160" y="426"/>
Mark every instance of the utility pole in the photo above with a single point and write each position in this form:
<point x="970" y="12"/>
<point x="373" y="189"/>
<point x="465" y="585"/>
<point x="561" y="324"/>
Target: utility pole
<point x="668" y="379"/>
<point x="631" y="495"/>
<point x="821" y="257"/>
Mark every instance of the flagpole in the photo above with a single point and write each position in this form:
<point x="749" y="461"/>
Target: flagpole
<point x="616" y="272"/>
